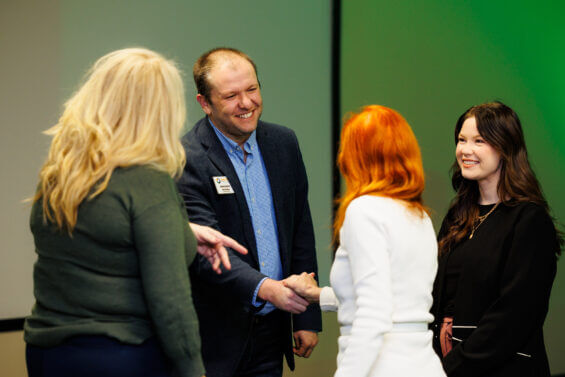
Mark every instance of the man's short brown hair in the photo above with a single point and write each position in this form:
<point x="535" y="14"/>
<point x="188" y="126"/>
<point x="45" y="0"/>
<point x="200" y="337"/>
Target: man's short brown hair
<point x="205" y="63"/>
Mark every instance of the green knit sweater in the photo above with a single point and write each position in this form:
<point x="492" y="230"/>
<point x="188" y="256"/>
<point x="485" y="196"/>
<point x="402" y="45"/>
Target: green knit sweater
<point x="123" y="273"/>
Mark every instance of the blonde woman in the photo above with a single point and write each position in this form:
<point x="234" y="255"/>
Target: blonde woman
<point x="111" y="279"/>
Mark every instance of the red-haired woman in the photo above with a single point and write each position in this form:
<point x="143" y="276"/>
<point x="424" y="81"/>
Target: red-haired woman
<point x="498" y="247"/>
<point x="385" y="266"/>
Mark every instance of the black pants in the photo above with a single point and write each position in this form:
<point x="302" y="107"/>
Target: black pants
<point x="263" y="355"/>
<point x="96" y="356"/>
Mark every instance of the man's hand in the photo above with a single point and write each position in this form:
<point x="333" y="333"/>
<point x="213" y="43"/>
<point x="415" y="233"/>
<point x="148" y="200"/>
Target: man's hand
<point x="304" y="285"/>
<point x="212" y="245"/>
<point x="282" y="297"/>
<point x="304" y="342"/>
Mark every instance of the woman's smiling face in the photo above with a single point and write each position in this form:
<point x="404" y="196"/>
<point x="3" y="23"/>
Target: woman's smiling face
<point x="478" y="160"/>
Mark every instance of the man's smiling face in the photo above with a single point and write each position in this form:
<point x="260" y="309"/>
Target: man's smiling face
<point x="235" y="103"/>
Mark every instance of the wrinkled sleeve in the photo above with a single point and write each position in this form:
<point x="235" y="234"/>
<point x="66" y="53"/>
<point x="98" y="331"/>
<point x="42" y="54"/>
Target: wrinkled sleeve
<point x="242" y="280"/>
<point x="166" y="246"/>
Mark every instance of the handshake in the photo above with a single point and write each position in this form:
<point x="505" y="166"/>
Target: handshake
<point x="292" y="294"/>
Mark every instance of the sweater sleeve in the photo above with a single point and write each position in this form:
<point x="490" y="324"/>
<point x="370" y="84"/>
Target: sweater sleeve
<point x="364" y="238"/>
<point x="166" y="246"/>
<point x="522" y="303"/>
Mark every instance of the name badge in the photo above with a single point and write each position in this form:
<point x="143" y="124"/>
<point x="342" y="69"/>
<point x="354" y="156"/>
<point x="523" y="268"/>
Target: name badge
<point x="223" y="186"/>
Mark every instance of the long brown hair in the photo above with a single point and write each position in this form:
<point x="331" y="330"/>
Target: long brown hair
<point x="379" y="155"/>
<point x="500" y="126"/>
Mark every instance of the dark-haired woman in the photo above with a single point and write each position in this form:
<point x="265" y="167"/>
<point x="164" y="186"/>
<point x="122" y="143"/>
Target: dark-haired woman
<point x="498" y="248"/>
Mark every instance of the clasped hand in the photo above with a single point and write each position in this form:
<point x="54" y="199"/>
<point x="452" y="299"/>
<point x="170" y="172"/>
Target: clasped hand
<point x="305" y="286"/>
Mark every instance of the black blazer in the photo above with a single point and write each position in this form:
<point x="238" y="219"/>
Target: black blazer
<point x="223" y="302"/>
<point x="502" y="295"/>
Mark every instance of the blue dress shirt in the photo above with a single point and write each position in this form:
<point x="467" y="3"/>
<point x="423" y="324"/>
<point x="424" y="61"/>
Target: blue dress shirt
<point x="254" y="180"/>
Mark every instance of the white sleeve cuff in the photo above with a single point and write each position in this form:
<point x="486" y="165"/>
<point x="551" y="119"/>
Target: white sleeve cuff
<point x="328" y="301"/>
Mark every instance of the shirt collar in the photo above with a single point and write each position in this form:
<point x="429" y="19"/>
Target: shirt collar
<point x="231" y="146"/>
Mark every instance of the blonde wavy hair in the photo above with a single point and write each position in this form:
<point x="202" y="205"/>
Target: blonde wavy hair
<point x="130" y="111"/>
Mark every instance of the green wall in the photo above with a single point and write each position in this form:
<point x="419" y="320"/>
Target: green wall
<point x="431" y="60"/>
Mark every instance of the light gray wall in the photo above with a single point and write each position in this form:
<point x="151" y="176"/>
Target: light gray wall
<point x="29" y="103"/>
<point x="47" y="48"/>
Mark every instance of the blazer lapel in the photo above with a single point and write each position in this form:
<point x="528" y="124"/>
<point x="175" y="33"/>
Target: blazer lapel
<point x="272" y="159"/>
<point x="217" y="154"/>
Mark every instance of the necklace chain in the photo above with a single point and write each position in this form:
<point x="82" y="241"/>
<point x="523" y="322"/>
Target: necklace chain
<point x="480" y="219"/>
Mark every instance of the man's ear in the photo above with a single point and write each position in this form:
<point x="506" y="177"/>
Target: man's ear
<point x="204" y="104"/>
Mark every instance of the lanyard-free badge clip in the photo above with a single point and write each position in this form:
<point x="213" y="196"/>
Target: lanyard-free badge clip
<point x="222" y="184"/>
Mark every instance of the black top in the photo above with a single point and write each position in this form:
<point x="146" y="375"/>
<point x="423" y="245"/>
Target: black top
<point x="497" y="289"/>
<point x="453" y="270"/>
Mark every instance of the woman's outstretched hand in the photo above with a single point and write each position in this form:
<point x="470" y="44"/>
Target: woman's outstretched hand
<point x="304" y="285"/>
<point x="212" y="245"/>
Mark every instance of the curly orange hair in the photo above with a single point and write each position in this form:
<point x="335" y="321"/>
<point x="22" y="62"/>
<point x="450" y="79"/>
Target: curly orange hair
<point x="379" y="155"/>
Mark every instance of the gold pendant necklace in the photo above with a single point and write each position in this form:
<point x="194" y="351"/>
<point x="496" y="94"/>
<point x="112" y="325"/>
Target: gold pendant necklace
<point x="481" y="219"/>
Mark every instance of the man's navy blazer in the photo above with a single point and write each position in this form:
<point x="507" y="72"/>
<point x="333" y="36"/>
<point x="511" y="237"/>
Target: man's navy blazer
<point x="224" y="302"/>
